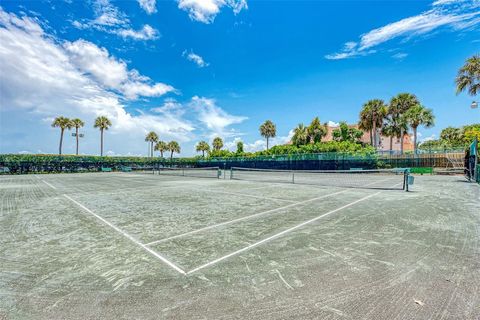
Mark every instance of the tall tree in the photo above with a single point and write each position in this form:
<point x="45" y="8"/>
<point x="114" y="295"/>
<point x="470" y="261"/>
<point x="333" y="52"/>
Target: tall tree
<point x="390" y="129"/>
<point x="452" y="136"/>
<point x="377" y="110"/>
<point x="398" y="106"/>
<point x="102" y="123"/>
<point x="203" y="147"/>
<point x="468" y="77"/>
<point x="217" y="143"/>
<point x="345" y="133"/>
<point x="239" y="147"/>
<point x="300" y="135"/>
<point x="268" y="130"/>
<point x="151" y="137"/>
<point x="62" y="123"/>
<point x="417" y="116"/>
<point x="161" y="146"/>
<point x="77" y="124"/>
<point x="173" y="146"/>
<point x="316" y="131"/>
<point x="365" y="122"/>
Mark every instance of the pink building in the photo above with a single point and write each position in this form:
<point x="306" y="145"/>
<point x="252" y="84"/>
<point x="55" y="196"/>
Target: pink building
<point x="383" y="142"/>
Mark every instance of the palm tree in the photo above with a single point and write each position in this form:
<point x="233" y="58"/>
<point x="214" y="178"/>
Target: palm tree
<point x="378" y="111"/>
<point x="365" y="122"/>
<point x="217" y="143"/>
<point x="316" y="131"/>
<point x="151" y="137"/>
<point x="268" y="130"/>
<point x="300" y="135"/>
<point x="103" y="123"/>
<point x="468" y="77"/>
<point x="62" y="123"/>
<point x="398" y="106"/>
<point x="416" y="116"/>
<point x="77" y="124"/>
<point x="173" y="146"/>
<point x="203" y="146"/>
<point x="161" y="146"/>
<point x="390" y="129"/>
<point x="453" y="136"/>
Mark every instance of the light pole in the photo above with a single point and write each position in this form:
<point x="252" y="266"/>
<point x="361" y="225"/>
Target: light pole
<point x="474" y="105"/>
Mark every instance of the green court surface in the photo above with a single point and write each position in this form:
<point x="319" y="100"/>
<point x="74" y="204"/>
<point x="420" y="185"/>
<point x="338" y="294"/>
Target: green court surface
<point x="142" y="246"/>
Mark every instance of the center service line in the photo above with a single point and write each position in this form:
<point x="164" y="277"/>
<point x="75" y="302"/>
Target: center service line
<point x="243" y="218"/>
<point x="254" y="215"/>
<point x="279" y="234"/>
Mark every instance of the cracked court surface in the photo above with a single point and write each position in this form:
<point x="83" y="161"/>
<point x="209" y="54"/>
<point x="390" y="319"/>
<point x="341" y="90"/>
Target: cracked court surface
<point x="137" y="246"/>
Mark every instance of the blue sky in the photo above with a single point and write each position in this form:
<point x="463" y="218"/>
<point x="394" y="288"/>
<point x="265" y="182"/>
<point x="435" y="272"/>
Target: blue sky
<point x="195" y="69"/>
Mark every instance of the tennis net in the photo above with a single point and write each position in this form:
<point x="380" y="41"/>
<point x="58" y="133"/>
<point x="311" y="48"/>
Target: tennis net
<point x="207" y="172"/>
<point x="369" y="179"/>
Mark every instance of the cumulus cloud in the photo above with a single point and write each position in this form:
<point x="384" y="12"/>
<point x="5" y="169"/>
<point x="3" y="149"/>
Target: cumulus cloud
<point x="148" y="5"/>
<point x="455" y="15"/>
<point x="206" y="10"/>
<point x="107" y="14"/>
<point x="111" y="72"/>
<point x="195" y="58"/>
<point x="42" y="78"/>
<point x="146" y="33"/>
<point x="333" y="124"/>
<point x="215" y="119"/>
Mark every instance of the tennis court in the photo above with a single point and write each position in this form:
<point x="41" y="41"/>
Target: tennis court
<point x="248" y="244"/>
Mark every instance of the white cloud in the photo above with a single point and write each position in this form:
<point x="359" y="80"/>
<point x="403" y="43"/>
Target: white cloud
<point x="195" y="58"/>
<point x="400" y="55"/>
<point x="333" y="124"/>
<point x="111" y="72"/>
<point x="206" y="10"/>
<point x="109" y="19"/>
<point x="216" y="120"/>
<point x="458" y="15"/>
<point x="260" y="144"/>
<point x="148" y="5"/>
<point x="146" y="33"/>
<point x="107" y="14"/>
<point x="42" y="78"/>
<point x="429" y="138"/>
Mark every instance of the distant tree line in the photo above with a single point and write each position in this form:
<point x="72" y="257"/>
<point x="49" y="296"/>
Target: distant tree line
<point x="102" y="123"/>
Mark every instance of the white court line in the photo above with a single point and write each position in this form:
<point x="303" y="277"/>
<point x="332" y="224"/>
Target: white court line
<point x="246" y="195"/>
<point x="253" y="215"/>
<point x="48" y="184"/>
<point x="126" y="235"/>
<point x="279" y="234"/>
<point x="243" y="218"/>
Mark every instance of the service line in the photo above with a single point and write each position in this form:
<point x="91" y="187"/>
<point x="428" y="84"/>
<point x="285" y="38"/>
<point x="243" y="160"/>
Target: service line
<point x="244" y="218"/>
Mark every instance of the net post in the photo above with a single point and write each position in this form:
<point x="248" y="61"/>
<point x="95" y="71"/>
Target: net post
<point x="405" y="180"/>
<point x="231" y="173"/>
<point x="293" y="177"/>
